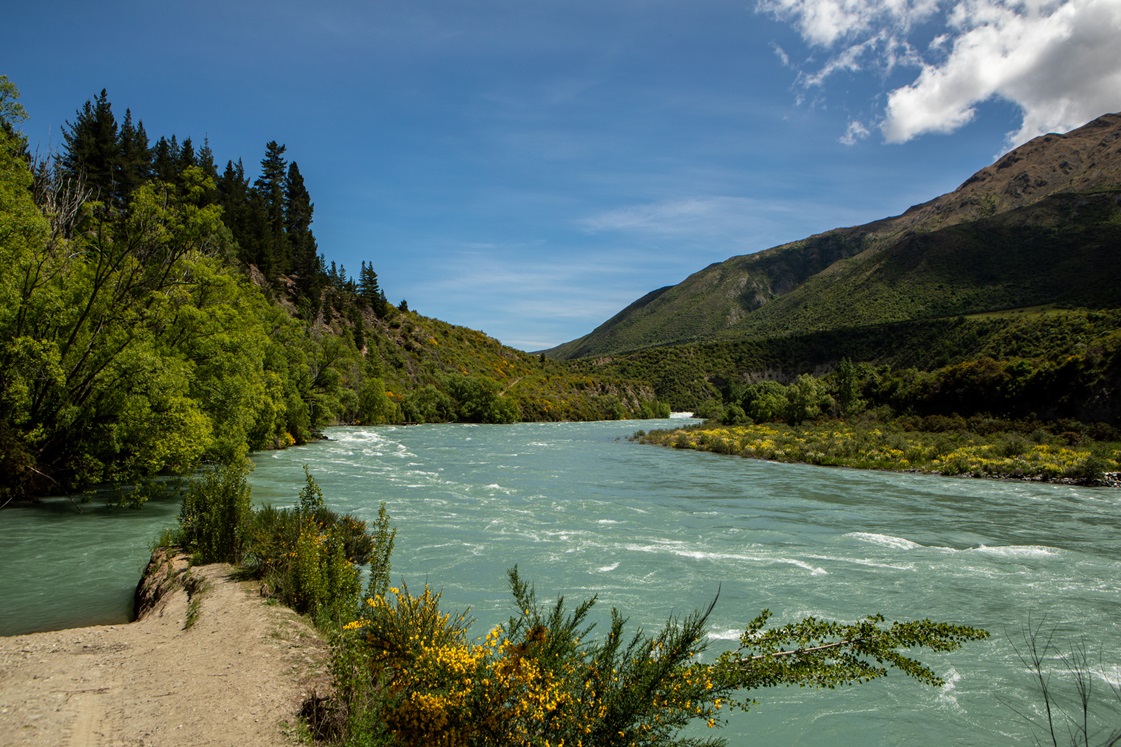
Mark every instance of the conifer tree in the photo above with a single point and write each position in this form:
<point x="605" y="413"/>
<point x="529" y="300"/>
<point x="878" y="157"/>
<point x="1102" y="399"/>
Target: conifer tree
<point x="233" y="198"/>
<point x="306" y="264"/>
<point x="165" y="159"/>
<point x="270" y="189"/>
<point x="134" y="165"/>
<point x="370" y="292"/>
<point x="206" y="160"/>
<point x="92" y="149"/>
<point x="186" y="157"/>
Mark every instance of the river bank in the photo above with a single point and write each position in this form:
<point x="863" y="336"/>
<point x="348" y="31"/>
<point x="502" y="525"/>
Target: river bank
<point x="209" y="662"/>
<point x="1004" y="454"/>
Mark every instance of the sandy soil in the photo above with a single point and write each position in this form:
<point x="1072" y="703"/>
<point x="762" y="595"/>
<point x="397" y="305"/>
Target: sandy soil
<point x="235" y="676"/>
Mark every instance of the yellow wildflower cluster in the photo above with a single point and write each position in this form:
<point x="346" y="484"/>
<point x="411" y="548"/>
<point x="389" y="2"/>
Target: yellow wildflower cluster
<point x="436" y="687"/>
<point x="835" y="443"/>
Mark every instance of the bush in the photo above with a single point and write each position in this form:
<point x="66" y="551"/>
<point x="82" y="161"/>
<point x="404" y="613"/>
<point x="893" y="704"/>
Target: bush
<point x="766" y="402"/>
<point x="408" y="674"/>
<point x="309" y="556"/>
<point x="215" y="517"/>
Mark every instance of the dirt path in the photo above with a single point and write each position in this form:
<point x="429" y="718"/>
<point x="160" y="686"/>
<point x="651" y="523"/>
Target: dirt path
<point x="235" y="676"/>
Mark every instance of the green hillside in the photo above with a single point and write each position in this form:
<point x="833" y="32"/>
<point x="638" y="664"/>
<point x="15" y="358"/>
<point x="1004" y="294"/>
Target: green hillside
<point x="1041" y="226"/>
<point x="1002" y="297"/>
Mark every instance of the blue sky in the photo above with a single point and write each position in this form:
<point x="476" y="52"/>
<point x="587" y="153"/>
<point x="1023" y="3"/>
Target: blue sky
<point x="530" y="168"/>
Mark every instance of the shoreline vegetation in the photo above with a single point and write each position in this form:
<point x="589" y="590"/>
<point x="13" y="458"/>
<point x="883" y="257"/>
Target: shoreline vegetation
<point x="406" y="672"/>
<point x="948" y="446"/>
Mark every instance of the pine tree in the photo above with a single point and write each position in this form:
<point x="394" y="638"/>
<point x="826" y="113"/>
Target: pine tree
<point x="244" y="214"/>
<point x="92" y="151"/>
<point x="186" y="157"/>
<point x="233" y="194"/>
<point x="165" y="159"/>
<point x="270" y="189"/>
<point x="134" y="165"/>
<point x="370" y="292"/>
<point x="206" y="160"/>
<point x="306" y="263"/>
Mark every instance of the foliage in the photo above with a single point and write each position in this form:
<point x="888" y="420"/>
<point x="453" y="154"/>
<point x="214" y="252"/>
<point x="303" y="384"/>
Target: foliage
<point x="155" y="315"/>
<point x="309" y="556"/>
<point x="408" y="674"/>
<point x="975" y="448"/>
<point x="214" y="519"/>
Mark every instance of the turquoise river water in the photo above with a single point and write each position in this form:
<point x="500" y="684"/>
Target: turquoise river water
<point x="583" y="511"/>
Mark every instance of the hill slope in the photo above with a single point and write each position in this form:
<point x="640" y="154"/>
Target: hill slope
<point x="1041" y="226"/>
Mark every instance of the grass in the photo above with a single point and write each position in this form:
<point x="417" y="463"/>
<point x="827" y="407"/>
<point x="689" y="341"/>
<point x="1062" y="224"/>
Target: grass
<point x="195" y="588"/>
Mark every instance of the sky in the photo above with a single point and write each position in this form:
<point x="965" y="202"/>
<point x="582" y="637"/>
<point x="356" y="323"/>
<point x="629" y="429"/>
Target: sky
<point x="528" y="168"/>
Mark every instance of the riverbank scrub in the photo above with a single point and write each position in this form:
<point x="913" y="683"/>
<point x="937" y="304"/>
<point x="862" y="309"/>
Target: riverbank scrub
<point x="1001" y="450"/>
<point x="408" y="674"/>
<point x="307" y="557"/>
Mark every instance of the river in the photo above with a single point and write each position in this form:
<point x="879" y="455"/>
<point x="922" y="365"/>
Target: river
<point x="583" y="511"/>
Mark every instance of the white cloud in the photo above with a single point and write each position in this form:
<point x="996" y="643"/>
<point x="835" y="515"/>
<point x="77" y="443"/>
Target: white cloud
<point x="1055" y="59"/>
<point x="855" y="133"/>
<point x="825" y="22"/>
<point x="1058" y="62"/>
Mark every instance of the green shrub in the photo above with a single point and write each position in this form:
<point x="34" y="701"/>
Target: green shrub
<point x="309" y="556"/>
<point x="215" y="517"/>
<point x="408" y="674"/>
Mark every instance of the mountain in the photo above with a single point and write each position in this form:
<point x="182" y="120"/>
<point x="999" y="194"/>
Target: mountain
<point x="1040" y="227"/>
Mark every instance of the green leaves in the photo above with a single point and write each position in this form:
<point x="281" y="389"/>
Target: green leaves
<point x="823" y="654"/>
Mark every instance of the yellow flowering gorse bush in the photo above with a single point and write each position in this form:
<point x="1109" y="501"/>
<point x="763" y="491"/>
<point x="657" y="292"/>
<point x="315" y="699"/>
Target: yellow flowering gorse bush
<point x="409" y="674"/>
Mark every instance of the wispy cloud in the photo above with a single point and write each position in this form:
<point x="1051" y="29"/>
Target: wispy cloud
<point x="511" y="290"/>
<point x="824" y="23"/>
<point x="705" y="217"/>
<point x="855" y="133"/>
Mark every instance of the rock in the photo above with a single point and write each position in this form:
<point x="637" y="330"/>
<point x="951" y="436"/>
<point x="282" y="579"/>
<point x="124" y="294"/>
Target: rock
<point x="166" y="572"/>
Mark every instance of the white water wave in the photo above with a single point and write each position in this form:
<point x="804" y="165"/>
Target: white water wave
<point x="884" y="540"/>
<point x="730" y="634"/>
<point x="607" y="568"/>
<point x="868" y="562"/>
<point x="901" y="543"/>
<point x="1018" y="551"/>
<point x="814" y="570"/>
<point x="676" y="548"/>
<point x="344" y="436"/>
<point x="948" y="695"/>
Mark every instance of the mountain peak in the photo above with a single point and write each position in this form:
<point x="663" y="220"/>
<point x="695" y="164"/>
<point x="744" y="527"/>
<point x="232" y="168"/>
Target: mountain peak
<point x="1087" y="159"/>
